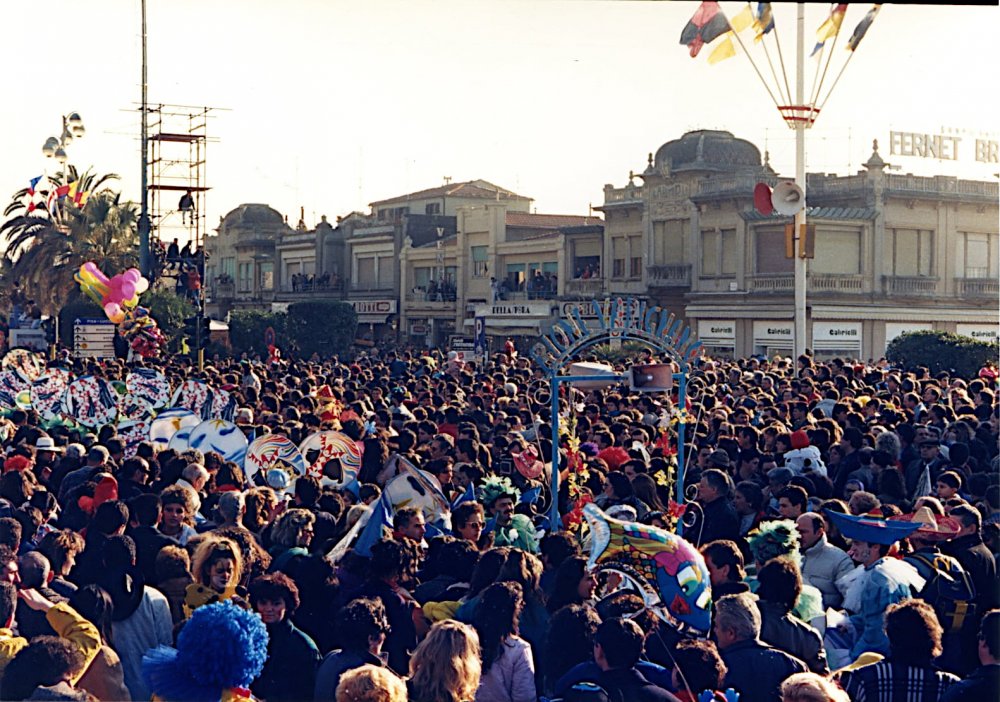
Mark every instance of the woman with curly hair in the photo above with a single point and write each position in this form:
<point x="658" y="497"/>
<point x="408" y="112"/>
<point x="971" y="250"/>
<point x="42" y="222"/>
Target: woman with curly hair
<point x="217" y="567"/>
<point x="291" y="535"/>
<point x="569" y="642"/>
<point x="446" y="666"/>
<point x="508" y="668"/>
<point x="260" y="502"/>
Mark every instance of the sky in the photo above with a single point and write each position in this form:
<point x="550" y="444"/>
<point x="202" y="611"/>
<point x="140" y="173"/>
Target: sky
<point x="329" y="105"/>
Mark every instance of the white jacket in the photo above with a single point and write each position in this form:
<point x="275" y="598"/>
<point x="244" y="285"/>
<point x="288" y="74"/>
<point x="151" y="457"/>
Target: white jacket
<point x="511" y="678"/>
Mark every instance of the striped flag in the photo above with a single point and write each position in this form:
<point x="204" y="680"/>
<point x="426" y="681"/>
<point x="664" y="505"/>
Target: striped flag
<point x="862" y="28"/>
<point x="831" y="27"/>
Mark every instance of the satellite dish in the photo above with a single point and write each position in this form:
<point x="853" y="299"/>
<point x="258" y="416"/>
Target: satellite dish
<point x="788" y="198"/>
<point x="762" y="199"/>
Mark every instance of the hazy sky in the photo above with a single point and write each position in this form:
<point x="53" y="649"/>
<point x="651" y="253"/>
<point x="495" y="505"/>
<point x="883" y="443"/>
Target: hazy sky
<point x="333" y="104"/>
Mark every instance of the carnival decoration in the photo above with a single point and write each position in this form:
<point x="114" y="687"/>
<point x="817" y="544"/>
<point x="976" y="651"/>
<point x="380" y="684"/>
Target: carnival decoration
<point x="667" y="570"/>
<point x="332" y="457"/>
<point x="11" y="385"/>
<point x="132" y="407"/>
<point x="273" y="460"/>
<point x="223" y="405"/>
<point x="92" y="401"/>
<point x="118" y="296"/>
<point x="872" y="529"/>
<point x="220" y="436"/>
<point x="418" y="489"/>
<point x="27" y="364"/>
<point x="169" y="422"/>
<point x="47" y="392"/>
<point x="195" y="395"/>
<point x="133" y="432"/>
<point x="149" y="384"/>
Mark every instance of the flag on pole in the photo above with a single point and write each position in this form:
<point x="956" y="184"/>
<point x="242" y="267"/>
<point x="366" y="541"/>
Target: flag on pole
<point x="379" y="527"/>
<point x="468" y="496"/>
<point x="32" y="183"/>
<point x="831" y="27"/>
<point x="764" y="22"/>
<point x="726" y="48"/>
<point x="72" y="190"/>
<point x="862" y="28"/>
<point x="706" y="25"/>
<point x="81" y="199"/>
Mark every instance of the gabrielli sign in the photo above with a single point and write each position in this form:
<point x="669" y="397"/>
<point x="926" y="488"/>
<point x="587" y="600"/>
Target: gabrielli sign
<point x="944" y="147"/>
<point x="515" y="309"/>
<point x="615" y="318"/>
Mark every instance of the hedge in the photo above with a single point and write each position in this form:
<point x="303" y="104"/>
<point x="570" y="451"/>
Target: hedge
<point x="324" y="327"/>
<point x="941" y="351"/>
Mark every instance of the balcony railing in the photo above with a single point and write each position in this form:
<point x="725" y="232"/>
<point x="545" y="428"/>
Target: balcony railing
<point x="630" y="193"/>
<point x="920" y="286"/>
<point x="669" y="276"/>
<point x="837" y="186"/>
<point x="943" y="185"/>
<point x="978" y="287"/>
<point x="420" y="298"/>
<point x="827" y="282"/>
<point x="771" y="283"/>
<point x="585" y="286"/>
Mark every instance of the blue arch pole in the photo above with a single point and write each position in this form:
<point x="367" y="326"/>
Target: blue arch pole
<point x="556" y="381"/>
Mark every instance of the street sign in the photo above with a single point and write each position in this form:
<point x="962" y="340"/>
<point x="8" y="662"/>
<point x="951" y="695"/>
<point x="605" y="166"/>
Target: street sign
<point x="481" y="344"/>
<point x="93" y="338"/>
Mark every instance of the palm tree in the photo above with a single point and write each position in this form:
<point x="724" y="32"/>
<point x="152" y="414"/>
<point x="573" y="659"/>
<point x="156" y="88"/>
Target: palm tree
<point x="45" y="250"/>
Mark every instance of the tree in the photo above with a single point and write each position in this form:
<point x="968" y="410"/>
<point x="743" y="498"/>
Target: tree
<point x="169" y="310"/>
<point x="941" y="351"/>
<point x="44" y="250"/>
<point x="247" y="327"/>
<point x="324" y="327"/>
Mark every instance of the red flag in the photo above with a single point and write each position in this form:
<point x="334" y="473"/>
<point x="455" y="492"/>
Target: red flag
<point x="62" y="191"/>
<point x="707" y="25"/>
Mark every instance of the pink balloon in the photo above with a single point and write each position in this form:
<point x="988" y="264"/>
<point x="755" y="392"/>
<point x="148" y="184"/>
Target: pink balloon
<point x="114" y="311"/>
<point x="127" y="290"/>
<point x="132" y="274"/>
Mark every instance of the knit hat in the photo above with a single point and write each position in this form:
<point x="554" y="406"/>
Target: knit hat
<point x="799" y="439"/>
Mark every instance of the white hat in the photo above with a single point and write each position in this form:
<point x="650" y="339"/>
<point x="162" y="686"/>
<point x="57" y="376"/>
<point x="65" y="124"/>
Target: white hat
<point x="45" y="443"/>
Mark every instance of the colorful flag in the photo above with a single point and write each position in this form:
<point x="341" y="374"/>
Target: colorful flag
<point x="81" y="200"/>
<point x="429" y="485"/>
<point x="862" y="28"/>
<point x="468" y="496"/>
<point x="379" y="527"/>
<point x="726" y="48"/>
<point x="72" y="190"/>
<point x="831" y="27"/>
<point x="62" y="191"/>
<point x="706" y="25"/>
<point x="33" y="182"/>
<point x="764" y="22"/>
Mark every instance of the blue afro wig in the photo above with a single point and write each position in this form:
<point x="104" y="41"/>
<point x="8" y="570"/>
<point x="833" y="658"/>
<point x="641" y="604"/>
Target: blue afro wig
<point x="222" y="646"/>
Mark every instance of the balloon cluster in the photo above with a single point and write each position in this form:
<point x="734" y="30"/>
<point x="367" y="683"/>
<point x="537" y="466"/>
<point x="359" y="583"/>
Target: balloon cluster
<point x="119" y="296"/>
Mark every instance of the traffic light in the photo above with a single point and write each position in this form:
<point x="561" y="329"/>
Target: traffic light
<point x="653" y="377"/>
<point x="196" y="330"/>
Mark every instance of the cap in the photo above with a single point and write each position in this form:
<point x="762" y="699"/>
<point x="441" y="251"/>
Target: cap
<point x="780" y="475"/>
<point x="719" y="458"/>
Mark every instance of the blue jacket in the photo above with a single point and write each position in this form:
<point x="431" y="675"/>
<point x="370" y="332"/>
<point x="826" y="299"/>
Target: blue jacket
<point x="881" y="590"/>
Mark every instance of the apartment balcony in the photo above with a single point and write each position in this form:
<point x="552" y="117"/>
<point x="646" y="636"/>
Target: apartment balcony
<point x="585" y="287"/>
<point x="629" y="195"/>
<point x="947" y="187"/>
<point x="911" y="286"/>
<point x="669" y="276"/>
<point x="420" y="301"/>
<point x="223" y="291"/>
<point x="818" y="283"/>
<point x="980" y="288"/>
<point x="310" y="291"/>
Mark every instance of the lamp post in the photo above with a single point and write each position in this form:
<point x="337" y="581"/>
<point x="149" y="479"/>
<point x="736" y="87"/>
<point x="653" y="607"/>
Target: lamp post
<point x="55" y="147"/>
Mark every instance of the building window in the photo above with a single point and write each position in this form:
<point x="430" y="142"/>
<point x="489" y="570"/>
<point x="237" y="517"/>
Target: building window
<point x="515" y="276"/>
<point x="267" y="276"/>
<point x="228" y="267"/>
<point x="709" y="253"/>
<point x="432" y="208"/>
<point x="769" y="252"/>
<point x="619" y="252"/>
<point x="366" y="273"/>
<point x="912" y="252"/>
<point x="729" y="252"/>
<point x="978" y="257"/>
<point x="245" y="278"/>
<point x="635" y="267"/>
<point x="837" y="252"/>
<point x="669" y="241"/>
<point x="479" y="265"/>
<point x="422" y="277"/>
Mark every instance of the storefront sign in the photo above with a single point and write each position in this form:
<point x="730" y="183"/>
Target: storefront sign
<point x="418" y="327"/>
<point x="515" y="309"/>
<point x="979" y="332"/>
<point x="944" y="147"/>
<point x="844" y="336"/>
<point x="714" y="332"/>
<point x="584" y="309"/>
<point x="766" y="333"/>
<point x="382" y="307"/>
<point x="894" y="329"/>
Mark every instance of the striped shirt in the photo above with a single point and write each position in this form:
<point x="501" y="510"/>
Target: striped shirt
<point x="887" y="681"/>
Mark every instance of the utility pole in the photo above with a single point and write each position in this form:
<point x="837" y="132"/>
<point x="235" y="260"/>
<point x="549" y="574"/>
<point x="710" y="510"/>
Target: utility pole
<point x="800" y="180"/>
<point x="144" y="262"/>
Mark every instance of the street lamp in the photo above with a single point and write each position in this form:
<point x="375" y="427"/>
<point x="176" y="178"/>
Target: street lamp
<point x="72" y="128"/>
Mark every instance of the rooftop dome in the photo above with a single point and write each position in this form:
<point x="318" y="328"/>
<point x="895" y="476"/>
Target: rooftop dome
<point x="707" y="150"/>
<point x="254" y="215"/>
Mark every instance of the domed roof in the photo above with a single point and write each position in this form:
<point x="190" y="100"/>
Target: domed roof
<point x="254" y="215"/>
<point x="707" y="150"/>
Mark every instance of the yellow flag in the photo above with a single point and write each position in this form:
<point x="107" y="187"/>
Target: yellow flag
<point x="724" y="50"/>
<point x="742" y="20"/>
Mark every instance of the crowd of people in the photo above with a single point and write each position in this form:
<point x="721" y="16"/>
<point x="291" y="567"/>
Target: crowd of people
<point x="801" y="473"/>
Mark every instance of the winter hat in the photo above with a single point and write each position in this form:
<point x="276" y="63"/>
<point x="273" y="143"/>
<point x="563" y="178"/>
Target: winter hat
<point x="799" y="439"/>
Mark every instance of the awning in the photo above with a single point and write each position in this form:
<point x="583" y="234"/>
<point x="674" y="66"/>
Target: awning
<point x="372" y="318"/>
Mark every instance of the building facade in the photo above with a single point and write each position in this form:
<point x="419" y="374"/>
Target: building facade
<point x="893" y="253"/>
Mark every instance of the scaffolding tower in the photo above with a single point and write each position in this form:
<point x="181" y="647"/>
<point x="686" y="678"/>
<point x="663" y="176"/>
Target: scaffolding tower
<point x="178" y="147"/>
